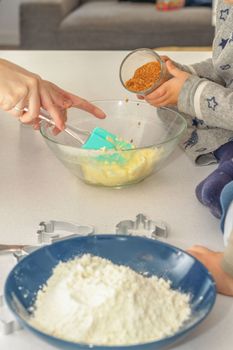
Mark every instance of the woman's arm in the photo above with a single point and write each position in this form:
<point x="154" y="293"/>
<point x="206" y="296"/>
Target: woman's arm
<point x="21" y="89"/>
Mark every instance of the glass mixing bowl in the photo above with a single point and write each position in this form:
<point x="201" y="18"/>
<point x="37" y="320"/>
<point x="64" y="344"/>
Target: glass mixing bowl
<point x="154" y="132"/>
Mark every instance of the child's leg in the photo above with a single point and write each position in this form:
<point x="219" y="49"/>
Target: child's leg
<point x="209" y="190"/>
<point x="224" y="152"/>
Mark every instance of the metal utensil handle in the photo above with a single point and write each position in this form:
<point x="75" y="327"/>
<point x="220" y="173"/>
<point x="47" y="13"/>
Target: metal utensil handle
<point x="42" y="116"/>
<point x="10" y="248"/>
<point x="45" y="114"/>
<point x="76" y="137"/>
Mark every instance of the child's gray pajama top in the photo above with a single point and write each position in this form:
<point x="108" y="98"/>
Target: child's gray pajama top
<point x="206" y="98"/>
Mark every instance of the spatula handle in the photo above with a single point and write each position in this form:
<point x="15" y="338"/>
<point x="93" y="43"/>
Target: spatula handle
<point x="45" y="116"/>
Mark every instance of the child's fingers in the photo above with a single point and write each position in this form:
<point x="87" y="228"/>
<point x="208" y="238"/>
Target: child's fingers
<point x="159" y="103"/>
<point x="159" y="100"/>
<point x="196" y="255"/>
<point x="156" y="94"/>
<point x="199" y="249"/>
<point x="165" y="58"/>
<point x="176" y="72"/>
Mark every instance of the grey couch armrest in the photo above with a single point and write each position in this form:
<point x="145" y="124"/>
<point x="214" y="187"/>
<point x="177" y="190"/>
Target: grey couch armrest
<point x="40" y="19"/>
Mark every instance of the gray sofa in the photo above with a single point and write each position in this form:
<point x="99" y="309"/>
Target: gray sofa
<point x="110" y="25"/>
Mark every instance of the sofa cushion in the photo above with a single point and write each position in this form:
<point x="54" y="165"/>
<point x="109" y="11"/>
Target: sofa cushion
<point x="124" y="25"/>
<point x="199" y="3"/>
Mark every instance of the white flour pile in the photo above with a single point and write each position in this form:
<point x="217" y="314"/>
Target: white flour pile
<point x="91" y="300"/>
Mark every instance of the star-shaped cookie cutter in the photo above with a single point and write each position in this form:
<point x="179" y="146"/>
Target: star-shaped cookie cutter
<point x="143" y="226"/>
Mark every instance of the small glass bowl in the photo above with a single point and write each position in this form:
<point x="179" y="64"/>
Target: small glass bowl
<point x="136" y="59"/>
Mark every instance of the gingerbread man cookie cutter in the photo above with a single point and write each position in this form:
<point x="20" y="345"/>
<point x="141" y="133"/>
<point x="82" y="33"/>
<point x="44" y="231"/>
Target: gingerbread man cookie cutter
<point x="48" y="233"/>
<point x="143" y="226"/>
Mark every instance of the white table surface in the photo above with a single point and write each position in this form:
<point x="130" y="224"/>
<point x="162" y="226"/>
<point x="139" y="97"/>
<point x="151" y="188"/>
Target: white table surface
<point x="34" y="185"/>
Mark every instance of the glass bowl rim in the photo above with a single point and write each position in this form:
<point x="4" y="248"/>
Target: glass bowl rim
<point x="159" y="144"/>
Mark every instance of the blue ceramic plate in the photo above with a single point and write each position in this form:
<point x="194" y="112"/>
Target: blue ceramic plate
<point x="141" y="254"/>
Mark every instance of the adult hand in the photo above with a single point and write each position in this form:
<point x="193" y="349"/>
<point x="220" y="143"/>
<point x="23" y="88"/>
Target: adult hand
<point x="212" y="261"/>
<point x="21" y="89"/>
<point x="168" y="93"/>
<point x="56" y="101"/>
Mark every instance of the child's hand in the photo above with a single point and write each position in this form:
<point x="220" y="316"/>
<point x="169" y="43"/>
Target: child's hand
<point x="165" y="58"/>
<point x="167" y="94"/>
<point x="212" y="261"/>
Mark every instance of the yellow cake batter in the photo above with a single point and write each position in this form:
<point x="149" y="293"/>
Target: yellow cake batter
<point x="137" y="165"/>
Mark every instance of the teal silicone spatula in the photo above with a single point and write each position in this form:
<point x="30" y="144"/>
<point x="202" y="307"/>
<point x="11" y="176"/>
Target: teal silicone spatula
<point x="99" y="138"/>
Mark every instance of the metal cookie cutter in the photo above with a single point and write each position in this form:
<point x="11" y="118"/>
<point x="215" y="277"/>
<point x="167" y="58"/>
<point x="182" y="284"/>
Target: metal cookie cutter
<point x="49" y="232"/>
<point x="142" y="226"/>
<point x="8" y="324"/>
<point x="52" y="231"/>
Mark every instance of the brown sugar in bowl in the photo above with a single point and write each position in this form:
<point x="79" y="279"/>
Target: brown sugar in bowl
<point x="144" y="77"/>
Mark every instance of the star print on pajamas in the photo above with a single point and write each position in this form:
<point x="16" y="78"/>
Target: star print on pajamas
<point x="192" y="141"/>
<point x="225" y="66"/>
<point x="212" y="103"/>
<point x="223" y="43"/>
<point x="197" y="122"/>
<point x="224" y="14"/>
